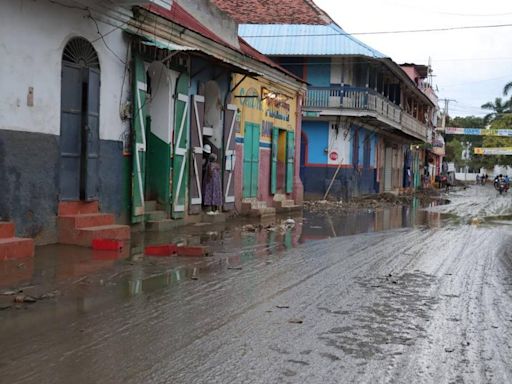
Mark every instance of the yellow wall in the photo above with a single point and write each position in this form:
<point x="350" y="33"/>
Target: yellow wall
<point x="278" y="112"/>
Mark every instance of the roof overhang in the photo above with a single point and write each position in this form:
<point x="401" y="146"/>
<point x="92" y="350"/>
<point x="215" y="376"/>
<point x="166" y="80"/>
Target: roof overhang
<point x="159" y="30"/>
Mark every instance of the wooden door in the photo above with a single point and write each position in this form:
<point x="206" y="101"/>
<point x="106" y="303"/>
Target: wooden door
<point x="290" y="160"/>
<point x="230" y="129"/>
<point x="196" y="154"/>
<point x="138" y="139"/>
<point x="251" y="160"/>
<point x="181" y="132"/>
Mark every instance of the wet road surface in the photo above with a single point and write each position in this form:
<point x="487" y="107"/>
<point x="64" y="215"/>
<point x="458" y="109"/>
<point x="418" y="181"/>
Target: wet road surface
<point x="392" y="296"/>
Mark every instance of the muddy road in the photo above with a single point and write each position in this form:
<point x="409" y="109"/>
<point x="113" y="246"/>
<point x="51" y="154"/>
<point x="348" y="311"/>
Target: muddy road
<point x="396" y="296"/>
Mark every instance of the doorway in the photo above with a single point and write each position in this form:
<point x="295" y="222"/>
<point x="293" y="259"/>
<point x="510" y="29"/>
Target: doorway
<point x="79" y="131"/>
<point x="251" y="160"/>
<point x="388" y="169"/>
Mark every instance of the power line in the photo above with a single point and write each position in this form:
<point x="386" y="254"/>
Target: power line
<point x="429" y="10"/>
<point x="444" y="29"/>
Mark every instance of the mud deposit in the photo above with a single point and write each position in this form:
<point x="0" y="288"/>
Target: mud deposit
<point x="408" y="295"/>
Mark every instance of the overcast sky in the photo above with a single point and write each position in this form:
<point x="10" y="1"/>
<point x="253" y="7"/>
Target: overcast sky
<point x="470" y="66"/>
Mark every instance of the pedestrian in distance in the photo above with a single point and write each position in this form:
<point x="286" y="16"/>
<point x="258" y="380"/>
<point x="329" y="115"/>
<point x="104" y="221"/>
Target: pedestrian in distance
<point x="212" y="188"/>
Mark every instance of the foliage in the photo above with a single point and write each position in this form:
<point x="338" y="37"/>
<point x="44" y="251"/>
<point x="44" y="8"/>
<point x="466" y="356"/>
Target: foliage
<point x="504" y="123"/>
<point x="507" y="88"/>
<point x="499" y="107"/>
<point x="466" y="122"/>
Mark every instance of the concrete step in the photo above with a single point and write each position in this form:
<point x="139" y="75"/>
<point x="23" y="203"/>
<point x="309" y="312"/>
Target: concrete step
<point x="86" y="220"/>
<point x="161" y="225"/>
<point x="84" y="236"/>
<point x="248" y="206"/>
<point x="289" y="208"/>
<point x="155" y="215"/>
<point x="15" y="247"/>
<point x="6" y="229"/>
<point x="279" y="197"/>
<point x="150" y="205"/>
<point x="283" y="203"/>
<point x="263" y="212"/>
<point x="218" y="218"/>
<point x="67" y="208"/>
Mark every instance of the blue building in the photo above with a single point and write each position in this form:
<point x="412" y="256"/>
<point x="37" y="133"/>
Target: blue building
<point x="363" y="116"/>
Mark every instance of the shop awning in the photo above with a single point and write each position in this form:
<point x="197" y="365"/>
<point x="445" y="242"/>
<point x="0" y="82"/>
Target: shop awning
<point x="153" y="41"/>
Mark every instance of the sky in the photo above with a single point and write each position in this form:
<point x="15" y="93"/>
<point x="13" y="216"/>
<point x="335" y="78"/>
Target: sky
<point x="470" y="66"/>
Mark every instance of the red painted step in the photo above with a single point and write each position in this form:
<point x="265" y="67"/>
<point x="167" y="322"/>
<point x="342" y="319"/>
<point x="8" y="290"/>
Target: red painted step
<point x="86" y="220"/>
<point x="85" y="236"/>
<point x="15" y="248"/>
<point x="80" y="223"/>
<point x="67" y="208"/>
<point x="6" y="230"/>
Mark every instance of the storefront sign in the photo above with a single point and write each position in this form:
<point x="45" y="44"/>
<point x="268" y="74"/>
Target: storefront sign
<point x="505" y="151"/>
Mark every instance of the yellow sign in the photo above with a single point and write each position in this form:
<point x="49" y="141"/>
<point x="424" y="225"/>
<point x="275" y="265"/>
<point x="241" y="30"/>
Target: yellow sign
<point x="505" y="151"/>
<point x="267" y="105"/>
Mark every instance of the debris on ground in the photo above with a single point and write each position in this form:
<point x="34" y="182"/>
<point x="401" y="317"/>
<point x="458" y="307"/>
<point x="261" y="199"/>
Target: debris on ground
<point x="249" y="228"/>
<point x="295" y="321"/>
<point x="370" y="202"/>
<point x="18" y="299"/>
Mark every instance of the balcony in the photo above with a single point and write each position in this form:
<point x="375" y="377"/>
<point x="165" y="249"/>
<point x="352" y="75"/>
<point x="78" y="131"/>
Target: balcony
<point x="352" y="101"/>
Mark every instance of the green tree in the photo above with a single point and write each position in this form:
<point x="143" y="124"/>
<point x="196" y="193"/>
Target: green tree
<point x="467" y="122"/>
<point x="498" y="108"/>
<point x="507" y="88"/>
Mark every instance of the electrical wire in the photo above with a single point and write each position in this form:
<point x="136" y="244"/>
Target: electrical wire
<point x="443" y="29"/>
<point x="430" y="10"/>
<point x="103" y="39"/>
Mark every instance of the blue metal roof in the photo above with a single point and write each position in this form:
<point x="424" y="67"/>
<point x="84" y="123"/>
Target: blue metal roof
<point x="304" y="40"/>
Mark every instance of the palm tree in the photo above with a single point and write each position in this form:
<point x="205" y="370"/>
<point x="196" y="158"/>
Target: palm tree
<point x="507" y="88"/>
<point x="498" y="108"/>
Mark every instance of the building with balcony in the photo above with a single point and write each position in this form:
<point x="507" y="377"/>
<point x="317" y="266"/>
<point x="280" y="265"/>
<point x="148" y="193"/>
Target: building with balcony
<point x="364" y="117"/>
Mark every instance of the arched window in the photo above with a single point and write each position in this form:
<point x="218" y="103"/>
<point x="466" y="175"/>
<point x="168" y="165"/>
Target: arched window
<point x="81" y="52"/>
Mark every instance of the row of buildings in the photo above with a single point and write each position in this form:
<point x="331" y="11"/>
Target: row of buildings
<point x="105" y="108"/>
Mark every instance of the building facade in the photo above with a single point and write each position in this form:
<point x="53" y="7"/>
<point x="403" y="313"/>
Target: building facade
<point x="363" y="116"/>
<point x="104" y="116"/>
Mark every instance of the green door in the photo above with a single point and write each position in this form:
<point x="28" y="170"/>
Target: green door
<point x="251" y="159"/>
<point x="181" y="134"/>
<point x="273" y="160"/>
<point x="139" y="139"/>
<point x="290" y="156"/>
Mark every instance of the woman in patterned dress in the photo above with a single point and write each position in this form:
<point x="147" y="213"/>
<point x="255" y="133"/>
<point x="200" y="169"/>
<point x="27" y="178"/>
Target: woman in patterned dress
<point x="212" y="188"/>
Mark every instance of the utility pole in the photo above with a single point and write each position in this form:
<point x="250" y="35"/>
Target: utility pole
<point x="445" y="112"/>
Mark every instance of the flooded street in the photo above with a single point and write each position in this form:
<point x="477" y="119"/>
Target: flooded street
<point x="395" y="295"/>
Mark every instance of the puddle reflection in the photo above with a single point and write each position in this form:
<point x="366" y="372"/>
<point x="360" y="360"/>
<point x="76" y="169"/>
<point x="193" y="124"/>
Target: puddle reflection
<point x="77" y="271"/>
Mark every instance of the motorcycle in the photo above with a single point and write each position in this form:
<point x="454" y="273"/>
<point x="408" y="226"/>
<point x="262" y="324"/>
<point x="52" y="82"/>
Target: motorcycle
<point x="501" y="186"/>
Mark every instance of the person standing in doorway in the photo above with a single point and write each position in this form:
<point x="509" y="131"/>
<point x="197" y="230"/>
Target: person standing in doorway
<point x="212" y="188"/>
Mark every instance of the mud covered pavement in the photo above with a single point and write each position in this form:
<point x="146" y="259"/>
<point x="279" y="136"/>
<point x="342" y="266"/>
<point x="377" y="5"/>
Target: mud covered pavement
<point x="399" y="295"/>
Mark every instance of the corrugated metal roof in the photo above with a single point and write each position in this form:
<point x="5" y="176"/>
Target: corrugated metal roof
<point x="304" y="40"/>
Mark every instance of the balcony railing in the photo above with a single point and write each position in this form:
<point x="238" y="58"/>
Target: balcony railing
<point x="364" y="99"/>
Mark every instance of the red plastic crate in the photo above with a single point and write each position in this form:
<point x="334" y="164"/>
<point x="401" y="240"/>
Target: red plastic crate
<point x="107" y="244"/>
